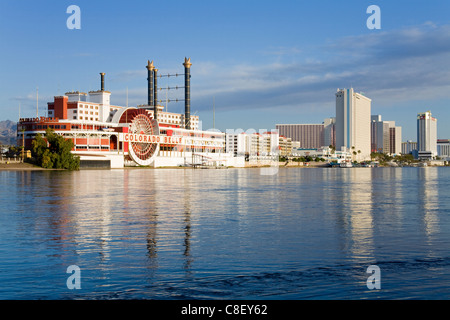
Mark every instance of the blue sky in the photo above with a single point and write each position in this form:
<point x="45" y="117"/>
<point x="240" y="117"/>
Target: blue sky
<point x="262" y="62"/>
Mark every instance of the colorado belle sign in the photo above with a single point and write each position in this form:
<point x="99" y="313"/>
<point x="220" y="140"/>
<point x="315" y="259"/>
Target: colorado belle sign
<point x="147" y="138"/>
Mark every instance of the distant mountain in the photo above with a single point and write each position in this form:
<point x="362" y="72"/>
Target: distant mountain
<point x="8" y="132"/>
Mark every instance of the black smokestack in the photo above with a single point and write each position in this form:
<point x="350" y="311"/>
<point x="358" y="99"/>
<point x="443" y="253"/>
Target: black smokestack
<point x="187" y="93"/>
<point x="150" y="68"/>
<point x="155" y="101"/>
<point x="102" y="75"/>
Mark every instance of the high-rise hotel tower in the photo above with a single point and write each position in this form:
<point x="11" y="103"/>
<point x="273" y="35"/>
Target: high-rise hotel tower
<point x="353" y="123"/>
<point x="426" y="135"/>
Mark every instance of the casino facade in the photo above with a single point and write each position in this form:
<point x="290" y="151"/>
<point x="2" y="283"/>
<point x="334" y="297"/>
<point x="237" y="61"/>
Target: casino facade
<point x="106" y="135"/>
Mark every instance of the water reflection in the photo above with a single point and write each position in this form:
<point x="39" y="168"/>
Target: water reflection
<point x="151" y="216"/>
<point x="353" y="209"/>
<point x="388" y="197"/>
<point x="187" y="224"/>
<point x="152" y="242"/>
<point x="45" y="209"/>
<point x="428" y="198"/>
<point x="217" y="233"/>
<point x="94" y="205"/>
<point x="360" y="204"/>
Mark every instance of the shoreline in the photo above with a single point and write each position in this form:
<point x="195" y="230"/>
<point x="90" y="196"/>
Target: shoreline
<point x="21" y="166"/>
<point x="31" y="167"/>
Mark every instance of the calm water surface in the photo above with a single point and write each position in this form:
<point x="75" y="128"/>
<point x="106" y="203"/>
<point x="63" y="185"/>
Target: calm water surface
<point x="226" y="234"/>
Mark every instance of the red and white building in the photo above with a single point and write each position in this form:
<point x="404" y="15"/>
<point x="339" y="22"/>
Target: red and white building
<point x="106" y="135"/>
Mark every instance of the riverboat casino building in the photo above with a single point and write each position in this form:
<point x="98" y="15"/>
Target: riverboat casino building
<point x="106" y="135"/>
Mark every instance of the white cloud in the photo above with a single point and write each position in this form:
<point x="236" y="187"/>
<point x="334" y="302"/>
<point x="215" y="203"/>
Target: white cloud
<point x="399" y="65"/>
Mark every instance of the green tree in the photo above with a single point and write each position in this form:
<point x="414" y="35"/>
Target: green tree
<point x="54" y="151"/>
<point x="38" y="147"/>
<point x="13" y="151"/>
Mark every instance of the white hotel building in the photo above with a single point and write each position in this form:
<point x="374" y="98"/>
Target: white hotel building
<point x="443" y="148"/>
<point x="353" y="123"/>
<point x="386" y="137"/>
<point x="426" y="135"/>
<point x="269" y="144"/>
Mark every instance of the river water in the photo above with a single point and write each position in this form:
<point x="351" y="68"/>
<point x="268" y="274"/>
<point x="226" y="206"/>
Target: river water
<point x="302" y="233"/>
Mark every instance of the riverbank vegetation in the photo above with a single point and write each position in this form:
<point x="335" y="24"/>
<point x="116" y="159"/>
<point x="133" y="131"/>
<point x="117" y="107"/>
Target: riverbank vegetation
<point x="302" y="159"/>
<point x="384" y="159"/>
<point x="54" y="152"/>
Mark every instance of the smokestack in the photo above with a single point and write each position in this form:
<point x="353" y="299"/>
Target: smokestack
<point x="150" y="68"/>
<point x="155" y="89"/>
<point x="187" y="93"/>
<point x="102" y="81"/>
